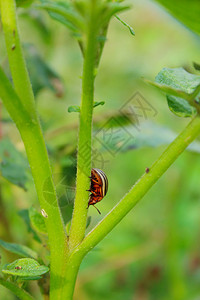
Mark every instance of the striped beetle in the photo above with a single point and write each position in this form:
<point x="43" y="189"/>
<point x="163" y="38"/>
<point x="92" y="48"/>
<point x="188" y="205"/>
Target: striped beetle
<point x="98" y="187"/>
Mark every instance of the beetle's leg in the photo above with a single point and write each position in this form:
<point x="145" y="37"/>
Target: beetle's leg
<point x="96" y="181"/>
<point x="97" y="209"/>
<point x="94" y="193"/>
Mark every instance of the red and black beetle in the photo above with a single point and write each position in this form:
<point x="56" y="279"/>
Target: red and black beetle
<point x="98" y="187"/>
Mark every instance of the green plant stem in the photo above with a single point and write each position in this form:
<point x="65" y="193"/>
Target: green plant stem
<point x="128" y="202"/>
<point x="79" y="219"/>
<point x="12" y="102"/>
<point x="15" y="54"/>
<point x="21" y="107"/>
<point x="38" y="159"/>
<point x="141" y="187"/>
<point x="20" y="293"/>
<point x="40" y="167"/>
<point x="72" y="267"/>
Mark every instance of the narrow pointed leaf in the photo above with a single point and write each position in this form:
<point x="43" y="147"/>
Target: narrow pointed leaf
<point x="18" y="249"/>
<point x="98" y="103"/>
<point x="20" y="293"/>
<point x="64" y="13"/>
<point x="125" y="24"/>
<point x="74" y="108"/>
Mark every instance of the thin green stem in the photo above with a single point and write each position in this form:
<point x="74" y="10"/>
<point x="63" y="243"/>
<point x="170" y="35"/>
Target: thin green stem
<point x="15" y="55"/>
<point x="79" y="219"/>
<point x="141" y="187"/>
<point x="128" y="202"/>
<point x="20" y="293"/>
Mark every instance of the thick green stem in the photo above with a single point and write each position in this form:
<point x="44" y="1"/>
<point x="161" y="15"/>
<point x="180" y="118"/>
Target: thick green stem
<point x="15" y="55"/>
<point x="20" y="105"/>
<point x="72" y="268"/>
<point x="41" y="171"/>
<point x="79" y="219"/>
<point x="141" y="187"/>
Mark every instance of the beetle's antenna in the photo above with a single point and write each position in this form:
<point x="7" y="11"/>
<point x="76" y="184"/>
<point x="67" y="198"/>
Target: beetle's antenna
<point x="97" y="210"/>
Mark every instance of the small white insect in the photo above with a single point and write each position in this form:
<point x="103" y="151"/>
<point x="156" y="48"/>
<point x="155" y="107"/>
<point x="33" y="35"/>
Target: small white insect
<point x="43" y="212"/>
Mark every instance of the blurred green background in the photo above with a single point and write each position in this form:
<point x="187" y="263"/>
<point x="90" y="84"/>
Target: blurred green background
<point x="154" y="253"/>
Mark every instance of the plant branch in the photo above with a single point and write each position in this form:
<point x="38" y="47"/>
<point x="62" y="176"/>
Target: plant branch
<point x="128" y="202"/>
<point x="79" y="219"/>
<point x="38" y="159"/>
<point x="12" y="102"/>
<point x="15" y="55"/>
<point x="22" y="294"/>
<point x="140" y="188"/>
<point x="21" y="106"/>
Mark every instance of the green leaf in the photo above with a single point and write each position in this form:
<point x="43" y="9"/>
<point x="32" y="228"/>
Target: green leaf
<point x="18" y="249"/>
<point x="24" y="214"/>
<point x="127" y="138"/>
<point x="180" y="106"/>
<point x="185" y="11"/>
<point x="24" y="3"/>
<point x="125" y="24"/>
<point x="89" y="219"/>
<point x="169" y="89"/>
<point x="64" y="13"/>
<point x="22" y="278"/>
<point x="13" y="165"/>
<point x="74" y="108"/>
<point x="178" y="84"/>
<point x="42" y="76"/>
<point x="98" y="103"/>
<point x="20" y="293"/>
<point x="196" y="66"/>
<point x="66" y="210"/>
<point x="25" y="268"/>
<point x="154" y="135"/>
<point x="179" y="81"/>
<point x="37" y="220"/>
<point x="111" y="9"/>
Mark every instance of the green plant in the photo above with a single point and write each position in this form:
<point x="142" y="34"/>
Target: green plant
<point x="88" y="21"/>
